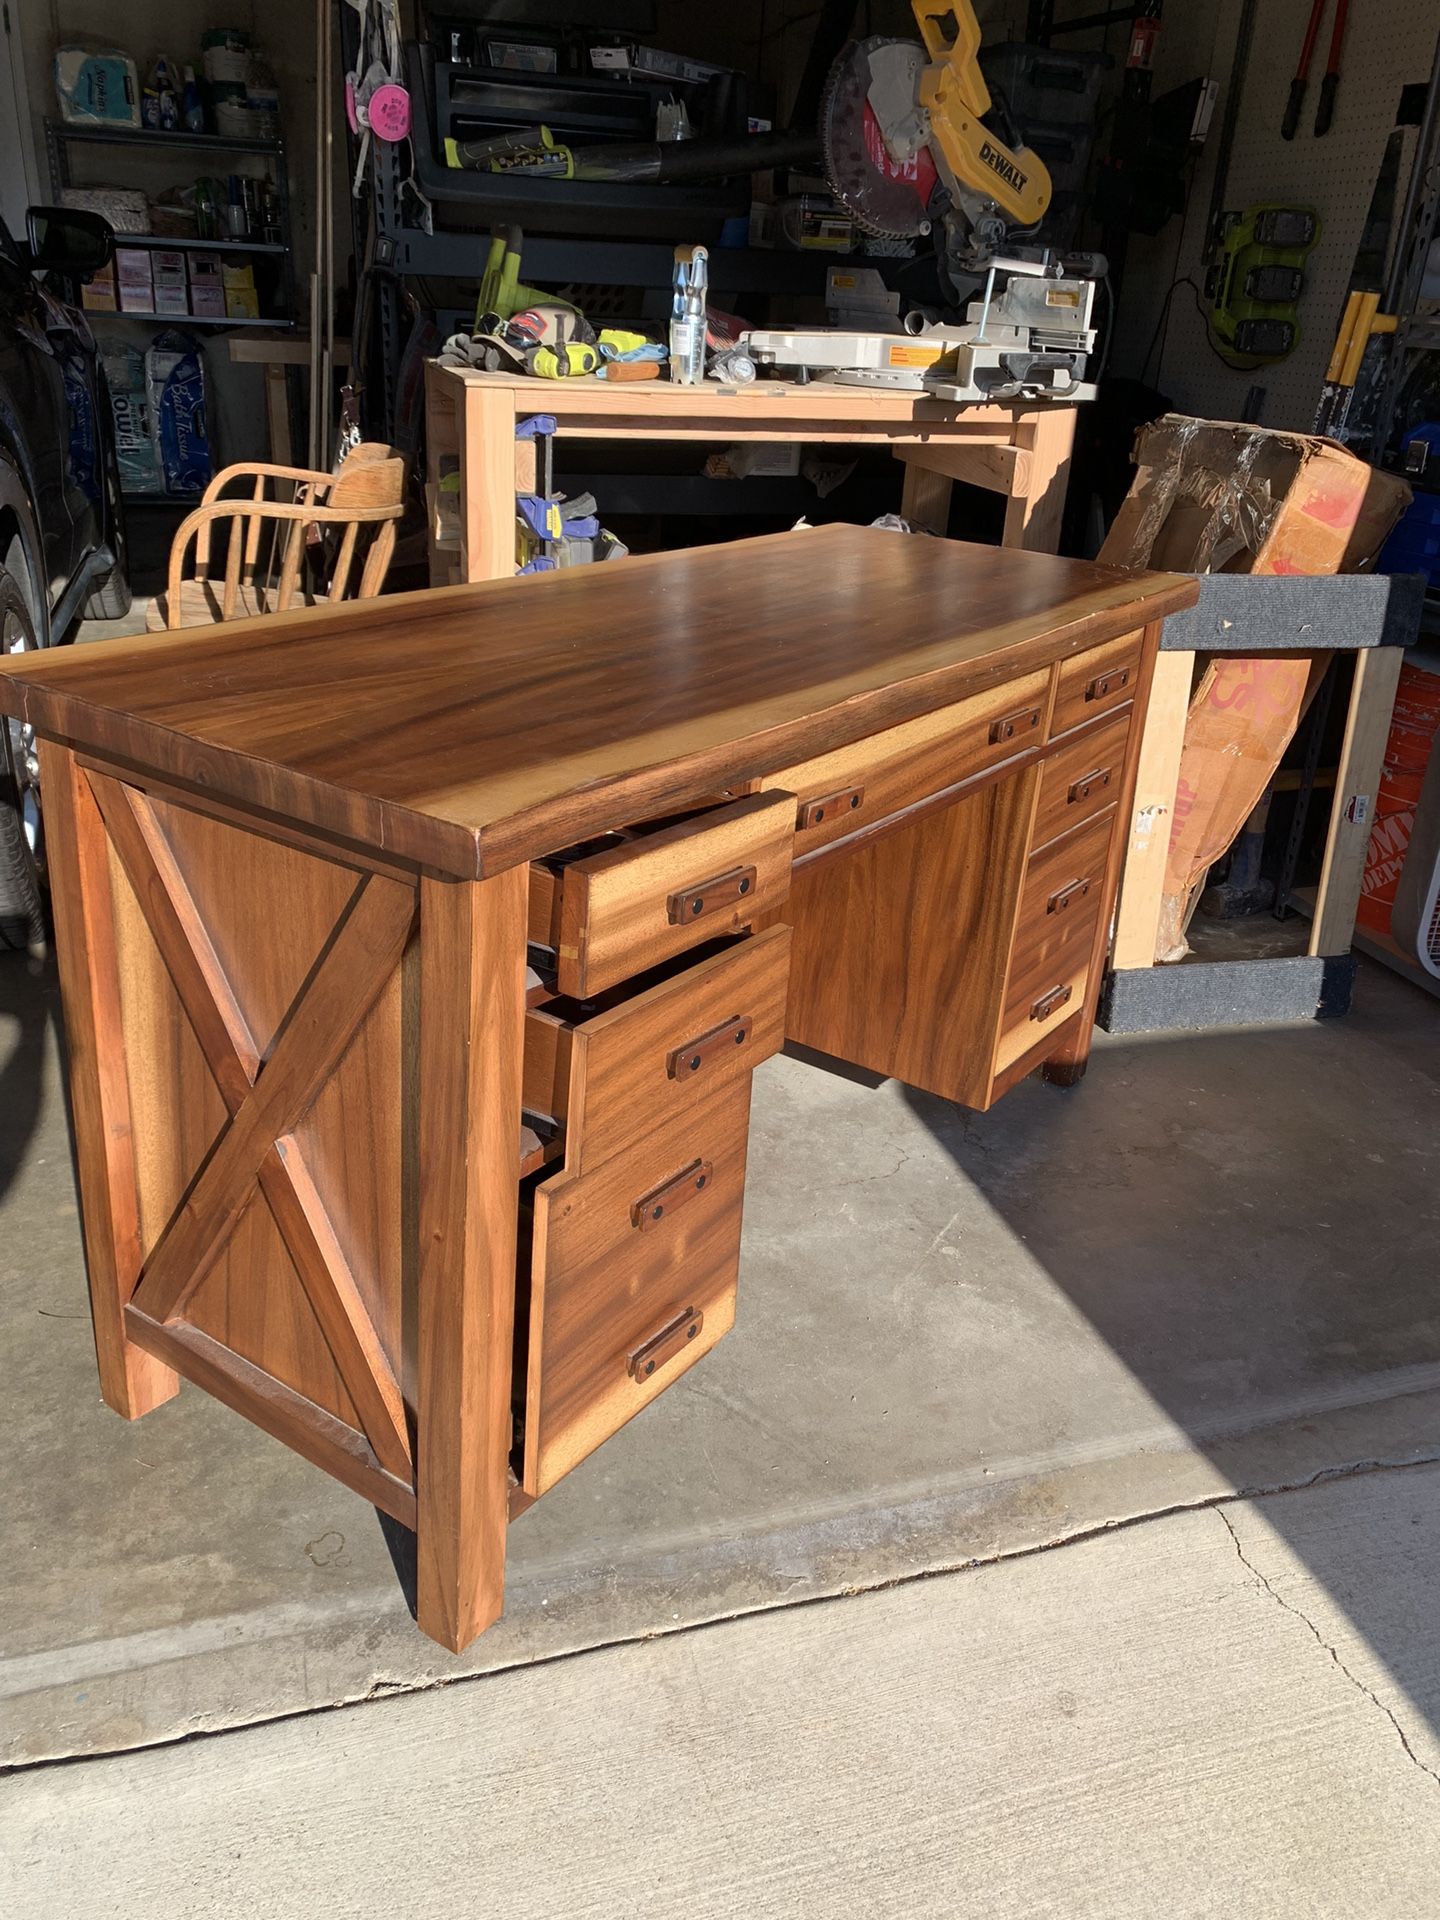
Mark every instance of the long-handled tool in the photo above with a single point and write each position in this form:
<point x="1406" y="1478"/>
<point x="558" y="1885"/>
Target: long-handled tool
<point x="1329" y="86"/>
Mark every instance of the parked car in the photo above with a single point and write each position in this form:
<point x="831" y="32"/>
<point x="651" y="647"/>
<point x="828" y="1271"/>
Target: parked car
<point x="62" y="530"/>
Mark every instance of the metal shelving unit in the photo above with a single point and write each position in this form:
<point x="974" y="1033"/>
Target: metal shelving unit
<point x="61" y="137"/>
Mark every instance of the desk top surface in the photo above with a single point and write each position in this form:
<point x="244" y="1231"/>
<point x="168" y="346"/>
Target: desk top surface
<point x="754" y="400"/>
<point x="467" y="729"/>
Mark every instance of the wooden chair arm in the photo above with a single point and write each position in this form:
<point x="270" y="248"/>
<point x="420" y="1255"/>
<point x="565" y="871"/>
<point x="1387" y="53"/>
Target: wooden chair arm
<point x="263" y="470"/>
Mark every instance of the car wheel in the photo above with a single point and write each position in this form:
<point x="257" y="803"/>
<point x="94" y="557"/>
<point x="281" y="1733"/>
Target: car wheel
<point x="22" y="834"/>
<point x="109" y="598"/>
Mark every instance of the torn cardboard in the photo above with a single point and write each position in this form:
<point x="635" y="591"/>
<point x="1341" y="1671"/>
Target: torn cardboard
<point x="1212" y="496"/>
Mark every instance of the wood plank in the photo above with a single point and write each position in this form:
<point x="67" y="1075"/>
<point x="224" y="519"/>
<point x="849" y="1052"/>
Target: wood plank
<point x="925" y="499"/>
<point x="466" y="731"/>
<point x="977" y="463"/>
<point x="278" y="1410"/>
<point x="132" y="1380"/>
<point x="472" y="1017"/>
<point x="1357" y="781"/>
<point x="487" y="498"/>
<point x="1033" y="518"/>
<point x="363" y="953"/>
<point x="1137" y="915"/>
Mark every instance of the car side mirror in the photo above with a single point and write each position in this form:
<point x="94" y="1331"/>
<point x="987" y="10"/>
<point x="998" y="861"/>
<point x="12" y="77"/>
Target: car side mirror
<point x="66" y="240"/>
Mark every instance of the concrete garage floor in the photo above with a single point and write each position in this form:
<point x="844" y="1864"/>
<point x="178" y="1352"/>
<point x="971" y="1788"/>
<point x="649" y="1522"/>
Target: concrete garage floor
<point x="1180" y="1719"/>
<point x="1209" y="1268"/>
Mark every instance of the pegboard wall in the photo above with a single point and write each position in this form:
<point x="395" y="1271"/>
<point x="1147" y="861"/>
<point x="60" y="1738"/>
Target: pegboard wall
<point x="1388" y="44"/>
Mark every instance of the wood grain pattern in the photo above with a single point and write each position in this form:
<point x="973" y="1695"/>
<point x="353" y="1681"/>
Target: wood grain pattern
<point x="467" y="731"/>
<point x="1357" y="780"/>
<point x="899" y="950"/>
<point x="600" y="1288"/>
<point x="902" y="766"/>
<point x="472" y="1015"/>
<point x="1137" y="915"/>
<point x="1067" y="1063"/>
<point x="1056" y="921"/>
<point x="132" y="1380"/>
<point x="1098" y="682"/>
<point x="608" y="1077"/>
<point x="1080" y="779"/>
<point x="225" y="1039"/>
<point x="616" y="916"/>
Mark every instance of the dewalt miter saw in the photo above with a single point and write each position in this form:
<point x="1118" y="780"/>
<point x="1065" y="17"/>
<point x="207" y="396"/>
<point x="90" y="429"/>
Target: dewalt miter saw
<point x="908" y="152"/>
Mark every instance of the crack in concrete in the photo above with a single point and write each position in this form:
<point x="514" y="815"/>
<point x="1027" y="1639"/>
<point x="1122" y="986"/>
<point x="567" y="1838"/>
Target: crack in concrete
<point x="1320" y="1640"/>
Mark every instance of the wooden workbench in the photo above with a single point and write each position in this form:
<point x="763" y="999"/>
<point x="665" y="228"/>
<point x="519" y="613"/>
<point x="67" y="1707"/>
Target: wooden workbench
<point x="1021" y="451"/>
<point x="416" y="956"/>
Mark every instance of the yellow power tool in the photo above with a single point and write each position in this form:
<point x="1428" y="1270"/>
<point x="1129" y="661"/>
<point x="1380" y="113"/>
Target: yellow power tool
<point x="906" y="144"/>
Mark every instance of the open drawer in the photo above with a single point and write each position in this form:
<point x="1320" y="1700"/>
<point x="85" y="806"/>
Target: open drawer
<point x="633" y="1268"/>
<point x="612" y="1069"/>
<point x="618" y="906"/>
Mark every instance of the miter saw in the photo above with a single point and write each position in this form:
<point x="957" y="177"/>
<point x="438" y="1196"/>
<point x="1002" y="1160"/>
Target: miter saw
<point x="908" y="152"/>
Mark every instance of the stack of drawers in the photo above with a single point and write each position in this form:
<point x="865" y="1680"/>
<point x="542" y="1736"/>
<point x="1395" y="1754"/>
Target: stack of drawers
<point x="641" y="1065"/>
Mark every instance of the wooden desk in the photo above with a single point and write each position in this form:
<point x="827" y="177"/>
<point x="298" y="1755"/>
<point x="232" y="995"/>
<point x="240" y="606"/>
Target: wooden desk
<point x="1020" y="451"/>
<point x="416" y="956"/>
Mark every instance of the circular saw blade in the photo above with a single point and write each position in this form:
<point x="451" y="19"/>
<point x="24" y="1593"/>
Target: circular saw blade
<point x="887" y="196"/>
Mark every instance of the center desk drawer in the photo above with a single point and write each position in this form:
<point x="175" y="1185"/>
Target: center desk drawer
<point x="638" y="900"/>
<point x="633" y="1272"/>
<point x="839" y="792"/>
<point x="613" y="1070"/>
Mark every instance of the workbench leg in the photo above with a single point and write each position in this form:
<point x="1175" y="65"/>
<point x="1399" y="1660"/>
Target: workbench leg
<point x="472" y="1037"/>
<point x="131" y="1380"/>
<point x="1033" y="517"/>
<point x="487" y="482"/>
<point x="277" y="415"/>
<point x="925" y="498"/>
<point x="1142" y="881"/>
<point x="1357" y="781"/>
<point x="1067" y="1064"/>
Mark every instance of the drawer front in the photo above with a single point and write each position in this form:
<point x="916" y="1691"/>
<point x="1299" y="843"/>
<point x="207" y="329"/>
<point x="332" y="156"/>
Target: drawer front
<point x="1055" y="930"/>
<point x="640" y="1065"/>
<point x="633" y="1271"/>
<point x="837" y="793"/>
<point x="632" y="906"/>
<point x="1080" y="780"/>
<point x="1096" y="682"/>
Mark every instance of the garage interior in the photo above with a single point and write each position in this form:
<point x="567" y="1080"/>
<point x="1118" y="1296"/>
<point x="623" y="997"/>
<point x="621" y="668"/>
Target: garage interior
<point x="1114" y="1403"/>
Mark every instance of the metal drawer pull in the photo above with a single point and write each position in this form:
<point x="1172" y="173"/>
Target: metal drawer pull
<point x="1089" y="783"/>
<point x="692" y="903"/>
<point x="685" y="1062"/>
<point x="653" y="1207"/>
<point x="1064" y="897"/>
<point x="1012" y="724"/>
<point x="665" y="1344"/>
<point x="814" y="813"/>
<point x="1106" y="683"/>
<point x="1051" y="1002"/>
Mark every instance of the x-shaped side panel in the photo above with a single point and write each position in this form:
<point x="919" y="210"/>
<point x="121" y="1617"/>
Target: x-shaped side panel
<point x="266" y="1101"/>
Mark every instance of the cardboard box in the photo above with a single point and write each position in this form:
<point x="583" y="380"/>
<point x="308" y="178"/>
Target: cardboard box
<point x="99" y="294"/>
<point x="172" y="292"/>
<point x="1213" y="496"/>
<point x="242" y="303"/>
<point x="207" y="286"/>
<point x="132" y="273"/>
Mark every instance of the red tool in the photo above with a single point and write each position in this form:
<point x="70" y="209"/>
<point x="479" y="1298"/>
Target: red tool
<point x="1331" y="82"/>
<point x="1324" y="112"/>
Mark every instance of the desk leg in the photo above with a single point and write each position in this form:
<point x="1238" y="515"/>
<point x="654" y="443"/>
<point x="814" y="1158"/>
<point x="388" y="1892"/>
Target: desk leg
<point x="131" y="1380"/>
<point x="472" y="1037"/>
<point x="487" y="483"/>
<point x="1033" y="516"/>
<point x="1067" y="1064"/>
